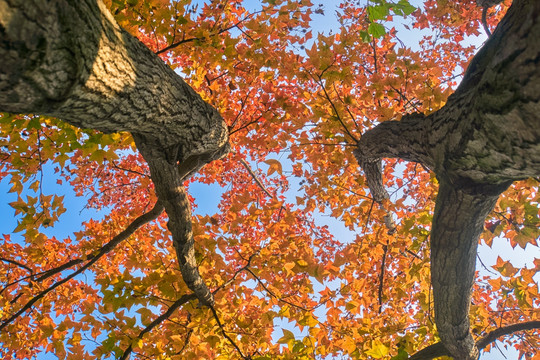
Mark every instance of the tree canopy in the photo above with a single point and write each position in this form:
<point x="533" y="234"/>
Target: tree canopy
<point x="421" y="149"/>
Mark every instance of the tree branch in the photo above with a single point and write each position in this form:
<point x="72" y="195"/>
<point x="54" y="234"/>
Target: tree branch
<point x="438" y="349"/>
<point x="255" y="178"/>
<point x="168" y="178"/>
<point x="231" y="341"/>
<point x="98" y="76"/>
<point x="221" y="31"/>
<point x="128" y="231"/>
<point x="336" y="112"/>
<point x="183" y="300"/>
<point x="506" y="330"/>
<point x="381" y="277"/>
<point x="457" y="223"/>
<point x="405" y="139"/>
<point x="18" y="264"/>
<point x="117" y="84"/>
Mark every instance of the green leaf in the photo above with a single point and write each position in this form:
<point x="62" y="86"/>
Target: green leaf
<point x="377" y="30"/>
<point x="34" y="123"/>
<point x="405" y="6"/>
<point x="378" y="12"/>
<point x="401" y="355"/>
<point x="365" y="36"/>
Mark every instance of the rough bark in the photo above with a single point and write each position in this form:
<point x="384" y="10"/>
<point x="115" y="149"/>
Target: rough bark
<point x="457" y="223"/>
<point x="69" y="59"/>
<point x="168" y="183"/>
<point x="483" y="139"/>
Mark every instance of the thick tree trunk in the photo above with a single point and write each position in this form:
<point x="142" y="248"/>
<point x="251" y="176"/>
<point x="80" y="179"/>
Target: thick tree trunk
<point x="457" y="223"/>
<point x="485" y="137"/>
<point x="69" y="59"/>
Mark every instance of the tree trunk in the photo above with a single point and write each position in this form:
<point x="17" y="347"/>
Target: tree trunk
<point x="483" y="139"/>
<point x="70" y="60"/>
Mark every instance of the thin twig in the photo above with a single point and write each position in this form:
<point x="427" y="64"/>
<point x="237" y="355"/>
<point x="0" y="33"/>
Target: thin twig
<point x="18" y="264"/>
<point x="484" y="21"/>
<point x="484" y="266"/>
<point x="246" y="125"/>
<point x="254" y="176"/>
<point x="186" y="343"/>
<point x="183" y="41"/>
<point x="129" y="170"/>
<point x="226" y="335"/>
<point x="183" y="300"/>
<point x="340" y="120"/>
<point x="381" y="277"/>
<point x="274" y="295"/>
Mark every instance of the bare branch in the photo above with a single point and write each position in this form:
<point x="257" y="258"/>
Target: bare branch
<point x="183" y="300"/>
<point x="18" y="264"/>
<point x="227" y="335"/>
<point x="128" y="170"/>
<point x="338" y="117"/>
<point x="274" y="295"/>
<point x="381" y="277"/>
<point x="507" y="330"/>
<point x="484" y="21"/>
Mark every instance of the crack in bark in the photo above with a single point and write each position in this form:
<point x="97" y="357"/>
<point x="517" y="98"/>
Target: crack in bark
<point x="483" y="139"/>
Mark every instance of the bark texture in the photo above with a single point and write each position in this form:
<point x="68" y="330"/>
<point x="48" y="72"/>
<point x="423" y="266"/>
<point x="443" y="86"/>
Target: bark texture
<point x="483" y="139"/>
<point x="70" y="59"/>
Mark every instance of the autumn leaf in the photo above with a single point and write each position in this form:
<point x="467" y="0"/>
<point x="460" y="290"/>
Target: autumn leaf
<point x="378" y="350"/>
<point x="274" y="165"/>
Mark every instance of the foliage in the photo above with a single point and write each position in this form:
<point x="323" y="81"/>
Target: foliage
<point x="296" y="104"/>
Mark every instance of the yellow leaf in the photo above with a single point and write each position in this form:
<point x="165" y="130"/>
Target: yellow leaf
<point x="378" y="350"/>
<point x="308" y="320"/>
<point x="289" y="266"/>
<point x="349" y="345"/>
<point x="302" y="263"/>
<point x="137" y="343"/>
<point x="76" y="339"/>
<point x="213" y="340"/>
<point x="177" y="339"/>
<point x="352" y="305"/>
<point x="35" y="186"/>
